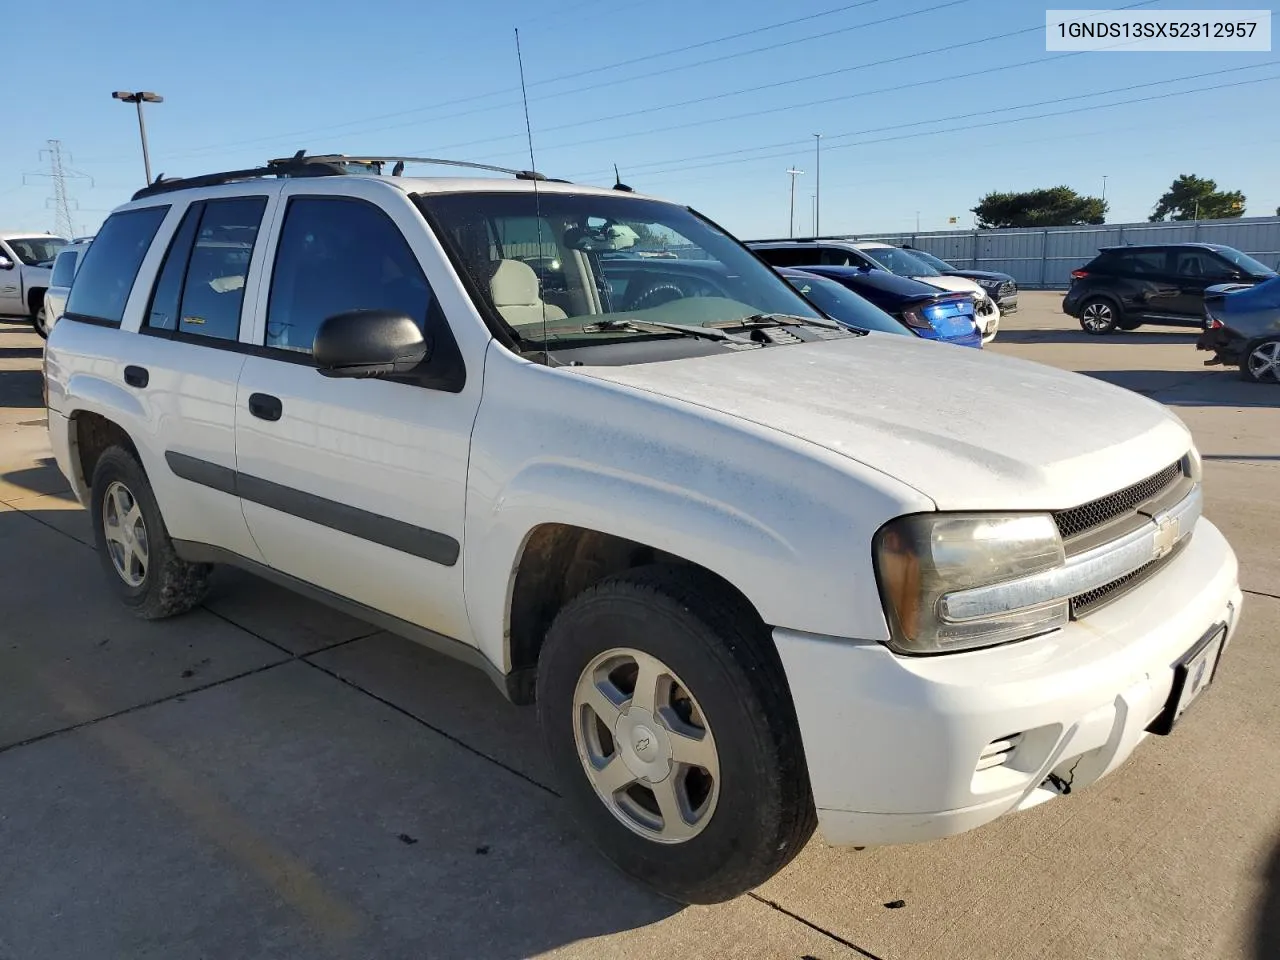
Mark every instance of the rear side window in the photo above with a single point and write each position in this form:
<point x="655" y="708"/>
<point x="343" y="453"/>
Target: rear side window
<point x="111" y="265"/>
<point x="839" y="257"/>
<point x="213" y="290"/>
<point x="64" y="269"/>
<point x="162" y="314"/>
<point x="1139" y="263"/>
<point x="336" y="255"/>
<point x="789" y="256"/>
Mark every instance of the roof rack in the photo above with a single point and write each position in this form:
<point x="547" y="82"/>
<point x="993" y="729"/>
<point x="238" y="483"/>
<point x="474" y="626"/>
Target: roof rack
<point x="319" y="165"/>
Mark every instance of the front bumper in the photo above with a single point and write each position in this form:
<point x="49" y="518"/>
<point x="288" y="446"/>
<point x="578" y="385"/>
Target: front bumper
<point x="894" y="743"/>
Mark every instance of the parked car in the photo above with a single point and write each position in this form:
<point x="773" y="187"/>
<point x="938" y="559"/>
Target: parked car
<point x="26" y="262"/>
<point x="1242" y="328"/>
<point x="928" y="312"/>
<point x="1000" y="287"/>
<point x="758" y="571"/>
<point x="65" y="265"/>
<point x="841" y="304"/>
<point x="1124" y="287"/>
<point x="880" y="256"/>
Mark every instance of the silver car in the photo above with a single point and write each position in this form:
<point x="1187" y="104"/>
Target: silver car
<point x="65" y="267"/>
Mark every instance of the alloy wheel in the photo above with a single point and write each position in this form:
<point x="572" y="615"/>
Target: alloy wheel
<point x="645" y="745"/>
<point x="1098" y="317"/>
<point x="1264" y="361"/>
<point x="126" y="534"/>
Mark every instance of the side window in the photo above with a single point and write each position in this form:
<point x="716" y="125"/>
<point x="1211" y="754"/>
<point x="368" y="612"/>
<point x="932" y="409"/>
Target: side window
<point x="111" y="264"/>
<point x="1142" y="263"/>
<point x="64" y="269"/>
<point x="1200" y="264"/>
<point x="789" y="256"/>
<point x="162" y="313"/>
<point x="337" y="255"/>
<point x="213" y="290"/>
<point x="837" y="257"/>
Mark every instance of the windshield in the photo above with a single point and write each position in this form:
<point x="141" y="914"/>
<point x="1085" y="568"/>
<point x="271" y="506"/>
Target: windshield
<point x="1245" y="262"/>
<point x="563" y="269"/>
<point x="33" y="250"/>
<point x="931" y="260"/>
<point x="840" y="303"/>
<point x="900" y="262"/>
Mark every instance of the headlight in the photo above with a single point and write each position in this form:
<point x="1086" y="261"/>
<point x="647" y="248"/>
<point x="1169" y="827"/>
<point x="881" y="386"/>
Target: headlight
<point x="921" y="559"/>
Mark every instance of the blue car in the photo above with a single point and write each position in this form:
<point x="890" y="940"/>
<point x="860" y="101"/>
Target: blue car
<point x="841" y="304"/>
<point x="928" y="312"/>
<point x="1242" y="328"/>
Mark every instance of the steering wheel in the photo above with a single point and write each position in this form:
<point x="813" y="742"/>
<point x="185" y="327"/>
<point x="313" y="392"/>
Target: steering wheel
<point x="656" y="296"/>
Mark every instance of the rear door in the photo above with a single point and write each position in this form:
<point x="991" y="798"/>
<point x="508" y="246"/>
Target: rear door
<point x="11" y="283"/>
<point x="188" y="359"/>
<point x="1142" y="281"/>
<point x="357" y="486"/>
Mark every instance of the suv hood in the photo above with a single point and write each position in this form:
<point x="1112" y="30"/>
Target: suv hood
<point x="970" y="430"/>
<point x="948" y="282"/>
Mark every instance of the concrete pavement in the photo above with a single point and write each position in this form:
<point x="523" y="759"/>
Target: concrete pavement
<point x="264" y="778"/>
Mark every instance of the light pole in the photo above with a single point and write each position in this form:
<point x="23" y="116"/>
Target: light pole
<point x="138" y="98"/>
<point x="791" y="232"/>
<point x="817" y="183"/>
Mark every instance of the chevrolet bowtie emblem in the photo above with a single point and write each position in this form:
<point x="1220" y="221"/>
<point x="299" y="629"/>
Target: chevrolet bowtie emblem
<point x="1166" y="537"/>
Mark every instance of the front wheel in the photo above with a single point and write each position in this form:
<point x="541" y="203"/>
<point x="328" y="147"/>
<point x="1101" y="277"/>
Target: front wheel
<point x="1098" y="317"/>
<point x="40" y="323"/>
<point x="1262" y="363"/>
<point x="672" y="733"/>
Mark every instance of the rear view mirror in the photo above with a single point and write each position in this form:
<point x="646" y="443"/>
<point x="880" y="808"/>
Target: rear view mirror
<point x="368" y="343"/>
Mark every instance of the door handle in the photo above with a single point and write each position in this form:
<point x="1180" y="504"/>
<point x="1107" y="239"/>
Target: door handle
<point x="136" y="376"/>
<point x="264" y="406"/>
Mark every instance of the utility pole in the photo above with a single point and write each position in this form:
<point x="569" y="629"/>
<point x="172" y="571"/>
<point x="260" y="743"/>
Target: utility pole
<point x="138" y="99"/>
<point x="62" y="225"/>
<point x="917" y="221"/>
<point x="817" y="183"/>
<point x="791" y="232"/>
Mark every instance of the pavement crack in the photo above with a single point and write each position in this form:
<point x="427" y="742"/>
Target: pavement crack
<point x="773" y="904"/>
<point x="1261" y="593"/>
<point x="476" y="751"/>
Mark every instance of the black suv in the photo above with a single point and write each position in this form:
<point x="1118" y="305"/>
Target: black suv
<point x="1125" y="287"/>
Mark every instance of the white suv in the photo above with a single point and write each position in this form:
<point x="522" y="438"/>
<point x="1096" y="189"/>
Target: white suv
<point x="758" y="571"/>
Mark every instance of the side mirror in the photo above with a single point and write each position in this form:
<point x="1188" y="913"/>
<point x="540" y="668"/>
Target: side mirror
<point x="368" y="343"/>
<point x="5" y="262"/>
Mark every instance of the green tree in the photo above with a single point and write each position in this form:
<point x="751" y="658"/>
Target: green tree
<point x="1197" y="198"/>
<point x="1048" y="207"/>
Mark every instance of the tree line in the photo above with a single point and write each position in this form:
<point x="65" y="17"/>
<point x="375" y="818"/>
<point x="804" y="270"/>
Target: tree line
<point x="1188" y="198"/>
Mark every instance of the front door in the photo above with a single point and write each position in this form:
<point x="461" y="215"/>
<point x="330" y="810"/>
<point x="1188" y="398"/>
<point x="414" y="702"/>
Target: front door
<point x="356" y="486"/>
<point x="11" y="284"/>
<point x="1195" y="271"/>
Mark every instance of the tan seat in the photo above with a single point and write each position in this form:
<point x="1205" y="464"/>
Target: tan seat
<point x="514" y="288"/>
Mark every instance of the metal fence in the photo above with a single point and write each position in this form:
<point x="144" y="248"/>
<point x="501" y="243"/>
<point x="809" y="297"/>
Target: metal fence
<point x="1043" y="258"/>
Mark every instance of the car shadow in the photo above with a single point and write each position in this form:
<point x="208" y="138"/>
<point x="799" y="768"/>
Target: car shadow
<point x="1267" y="928"/>
<point x="1130" y="337"/>
<point x="21" y="388"/>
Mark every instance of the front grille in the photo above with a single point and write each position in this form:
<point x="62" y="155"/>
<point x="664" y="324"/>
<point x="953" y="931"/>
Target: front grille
<point x="1095" y="513"/>
<point x="1085" y="603"/>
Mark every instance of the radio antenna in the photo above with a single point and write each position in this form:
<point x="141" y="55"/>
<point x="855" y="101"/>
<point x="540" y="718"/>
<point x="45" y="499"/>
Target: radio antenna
<point x="537" y="198"/>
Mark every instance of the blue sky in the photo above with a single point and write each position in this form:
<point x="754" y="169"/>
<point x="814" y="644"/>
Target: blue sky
<point x="929" y="132"/>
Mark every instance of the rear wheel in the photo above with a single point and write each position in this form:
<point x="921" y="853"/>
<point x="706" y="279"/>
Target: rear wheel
<point x="1262" y="362"/>
<point x="133" y="542"/>
<point x="39" y="321"/>
<point x="1098" y="317"/>
<point x="672" y="733"/>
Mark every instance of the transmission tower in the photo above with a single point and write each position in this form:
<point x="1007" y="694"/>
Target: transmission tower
<point x="61" y="207"/>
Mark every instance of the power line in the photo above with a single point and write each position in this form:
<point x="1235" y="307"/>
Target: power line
<point x="556" y="79"/>
<point x="1007" y="120"/>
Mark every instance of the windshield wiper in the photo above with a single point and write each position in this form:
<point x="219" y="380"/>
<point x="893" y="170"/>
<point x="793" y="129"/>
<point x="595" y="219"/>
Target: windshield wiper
<point x="792" y="320"/>
<point x="707" y="333"/>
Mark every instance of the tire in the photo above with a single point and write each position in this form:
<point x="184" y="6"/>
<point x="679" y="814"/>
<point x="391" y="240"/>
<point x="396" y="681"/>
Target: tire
<point x="752" y="809"/>
<point x="1261" y="363"/>
<point x="1098" y="316"/>
<point x="39" y="322"/>
<point x="142" y="566"/>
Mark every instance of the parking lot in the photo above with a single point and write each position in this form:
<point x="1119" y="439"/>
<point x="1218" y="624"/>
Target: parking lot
<point x="266" y="778"/>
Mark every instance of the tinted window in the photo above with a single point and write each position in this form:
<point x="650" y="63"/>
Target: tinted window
<point x="219" y="266"/>
<point x="900" y="262"/>
<point x="1200" y="264"/>
<point x="64" y="269"/>
<point x="162" y="314"/>
<point x="1140" y="262"/>
<point x="111" y="264"/>
<point x="334" y="256"/>
<point x="790" y="256"/>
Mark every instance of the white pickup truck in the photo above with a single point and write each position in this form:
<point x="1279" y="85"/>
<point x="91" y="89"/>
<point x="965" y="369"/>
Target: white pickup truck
<point x="26" y="264"/>
<point x="758" y="571"/>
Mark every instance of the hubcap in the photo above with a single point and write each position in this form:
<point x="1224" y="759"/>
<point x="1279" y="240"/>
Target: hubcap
<point x="1264" y="361"/>
<point x="126" y="534"/>
<point x="646" y="746"/>
<point x="1097" y="316"/>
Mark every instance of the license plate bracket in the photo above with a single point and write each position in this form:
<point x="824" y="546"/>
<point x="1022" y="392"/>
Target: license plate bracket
<point x="1193" y="673"/>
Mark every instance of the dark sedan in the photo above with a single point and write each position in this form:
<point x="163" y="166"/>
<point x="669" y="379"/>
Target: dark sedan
<point x="929" y="312"/>
<point x="1000" y="287"/>
<point x="1242" y="328"/>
